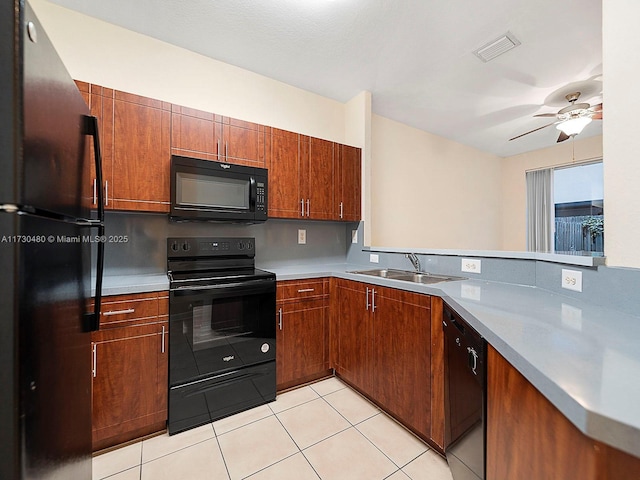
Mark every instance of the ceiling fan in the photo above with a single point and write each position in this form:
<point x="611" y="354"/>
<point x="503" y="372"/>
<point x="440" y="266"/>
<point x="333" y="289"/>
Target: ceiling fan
<point x="572" y="119"/>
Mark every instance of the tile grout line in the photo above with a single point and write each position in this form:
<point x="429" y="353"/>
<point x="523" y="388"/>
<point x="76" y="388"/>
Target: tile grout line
<point x="400" y="467"/>
<point x="241" y="426"/>
<point x="224" y="460"/>
<point x="355" y="426"/>
<point x="176" y="451"/>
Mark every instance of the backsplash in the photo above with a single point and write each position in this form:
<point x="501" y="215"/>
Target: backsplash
<point x="330" y="243"/>
<point x="276" y="241"/>
<point x="610" y="287"/>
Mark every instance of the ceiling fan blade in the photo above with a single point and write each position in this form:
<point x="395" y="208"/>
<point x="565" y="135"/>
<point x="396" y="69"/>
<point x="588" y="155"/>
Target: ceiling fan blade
<point x="534" y="130"/>
<point x="545" y="115"/>
<point x="597" y="116"/>
<point x="563" y="136"/>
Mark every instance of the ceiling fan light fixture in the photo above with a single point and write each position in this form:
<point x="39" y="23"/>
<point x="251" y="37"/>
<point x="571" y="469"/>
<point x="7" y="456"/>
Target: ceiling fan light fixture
<point x="574" y="126"/>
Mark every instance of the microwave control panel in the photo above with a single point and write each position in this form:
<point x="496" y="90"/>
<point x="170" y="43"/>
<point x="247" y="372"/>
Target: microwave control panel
<point x="260" y="197"/>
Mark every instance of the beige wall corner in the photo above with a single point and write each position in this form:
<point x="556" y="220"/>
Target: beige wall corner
<point x="514" y="188"/>
<point x="621" y="43"/>
<point x="98" y="52"/>
<point x="430" y="192"/>
<point x="358" y="133"/>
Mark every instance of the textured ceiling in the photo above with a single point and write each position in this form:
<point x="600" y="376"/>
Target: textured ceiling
<point x="415" y="56"/>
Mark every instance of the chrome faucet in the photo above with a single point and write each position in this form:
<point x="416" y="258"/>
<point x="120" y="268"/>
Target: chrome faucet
<point x="415" y="261"/>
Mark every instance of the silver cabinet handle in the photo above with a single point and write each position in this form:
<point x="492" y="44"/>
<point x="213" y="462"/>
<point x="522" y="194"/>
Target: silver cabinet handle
<point x="162" y="348"/>
<point x="302" y="290"/>
<point x="308" y="209"/>
<point x="280" y="318"/>
<point x="341" y="209"/>
<point x="373" y="299"/>
<point x="95" y="191"/>
<point x="106" y="192"/>
<point x="226" y="151"/>
<point x="218" y="149"/>
<point x="118" y="312"/>
<point x="95" y="360"/>
<point x="302" y="207"/>
<point x="367" y="298"/>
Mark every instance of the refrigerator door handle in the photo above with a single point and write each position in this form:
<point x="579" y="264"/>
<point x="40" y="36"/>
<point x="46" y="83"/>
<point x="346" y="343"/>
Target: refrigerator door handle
<point x="93" y="319"/>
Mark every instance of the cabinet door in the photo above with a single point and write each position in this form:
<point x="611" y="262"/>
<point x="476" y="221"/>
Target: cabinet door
<point x="347" y="191"/>
<point x="402" y="355"/>
<point x="283" y="162"/>
<point x="141" y="154"/>
<point x="317" y="178"/>
<point x="193" y="133"/>
<point x="129" y="382"/>
<point x="304" y="328"/>
<point x="354" y="335"/>
<point x="100" y="102"/>
<point x="244" y="142"/>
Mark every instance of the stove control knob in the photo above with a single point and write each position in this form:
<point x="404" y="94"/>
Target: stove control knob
<point x="240" y="246"/>
<point x="186" y="246"/>
<point x="175" y="247"/>
<point x="249" y="246"/>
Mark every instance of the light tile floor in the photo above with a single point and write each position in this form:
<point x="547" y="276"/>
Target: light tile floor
<point x="322" y="431"/>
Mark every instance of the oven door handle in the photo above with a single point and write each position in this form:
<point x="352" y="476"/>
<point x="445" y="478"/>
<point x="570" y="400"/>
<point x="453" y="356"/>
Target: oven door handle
<point x="226" y="289"/>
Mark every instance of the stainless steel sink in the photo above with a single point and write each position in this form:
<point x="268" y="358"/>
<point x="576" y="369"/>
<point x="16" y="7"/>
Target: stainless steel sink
<point x="408" y="276"/>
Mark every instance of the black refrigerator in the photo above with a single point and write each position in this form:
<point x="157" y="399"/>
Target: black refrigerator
<point x="48" y="143"/>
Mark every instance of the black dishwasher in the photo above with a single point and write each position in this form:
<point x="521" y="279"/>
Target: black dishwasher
<point x="465" y="399"/>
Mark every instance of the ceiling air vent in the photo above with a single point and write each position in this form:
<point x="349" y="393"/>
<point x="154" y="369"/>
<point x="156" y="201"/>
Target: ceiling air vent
<point x="497" y="47"/>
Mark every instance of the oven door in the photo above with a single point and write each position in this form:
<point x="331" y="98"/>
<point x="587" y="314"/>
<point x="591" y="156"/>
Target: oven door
<point x="221" y="327"/>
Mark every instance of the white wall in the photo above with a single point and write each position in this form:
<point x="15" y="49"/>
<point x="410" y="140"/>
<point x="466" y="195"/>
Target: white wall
<point x="621" y="44"/>
<point x="514" y="189"/>
<point x="430" y="192"/>
<point x="98" y="52"/>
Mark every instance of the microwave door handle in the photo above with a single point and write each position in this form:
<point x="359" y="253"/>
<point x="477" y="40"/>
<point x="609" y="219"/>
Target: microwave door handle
<point x="254" y="194"/>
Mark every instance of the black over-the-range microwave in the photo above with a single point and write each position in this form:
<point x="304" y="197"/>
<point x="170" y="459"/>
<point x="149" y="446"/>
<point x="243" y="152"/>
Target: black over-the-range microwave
<point x="213" y="191"/>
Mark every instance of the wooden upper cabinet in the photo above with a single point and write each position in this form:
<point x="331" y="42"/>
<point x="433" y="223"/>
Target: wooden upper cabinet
<point x="283" y="162"/>
<point x="347" y="185"/>
<point x="317" y="178"/>
<point x="205" y="135"/>
<point x="141" y="153"/>
<point x="94" y="96"/>
<point x="243" y="142"/>
<point x="195" y="133"/>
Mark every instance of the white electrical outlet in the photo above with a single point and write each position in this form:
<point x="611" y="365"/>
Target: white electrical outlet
<point x="572" y="280"/>
<point x="302" y="236"/>
<point x="374" y="258"/>
<point x="471" y="265"/>
<point x="354" y="236"/>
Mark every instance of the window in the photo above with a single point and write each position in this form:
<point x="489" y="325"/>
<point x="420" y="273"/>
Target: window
<point x="565" y="209"/>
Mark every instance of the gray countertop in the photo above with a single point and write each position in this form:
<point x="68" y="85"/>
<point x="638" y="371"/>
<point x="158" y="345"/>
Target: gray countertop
<point x="123" y="284"/>
<point x="582" y="357"/>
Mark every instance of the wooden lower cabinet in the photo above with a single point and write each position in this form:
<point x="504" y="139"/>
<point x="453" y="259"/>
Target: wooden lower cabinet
<point x="130" y="369"/>
<point x="352" y="324"/>
<point x="401" y="347"/>
<point x="528" y="437"/>
<point x="302" y="332"/>
<point x="383" y="342"/>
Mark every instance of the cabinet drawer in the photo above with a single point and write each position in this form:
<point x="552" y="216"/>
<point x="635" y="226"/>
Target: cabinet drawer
<point x="293" y="290"/>
<point x="124" y="310"/>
